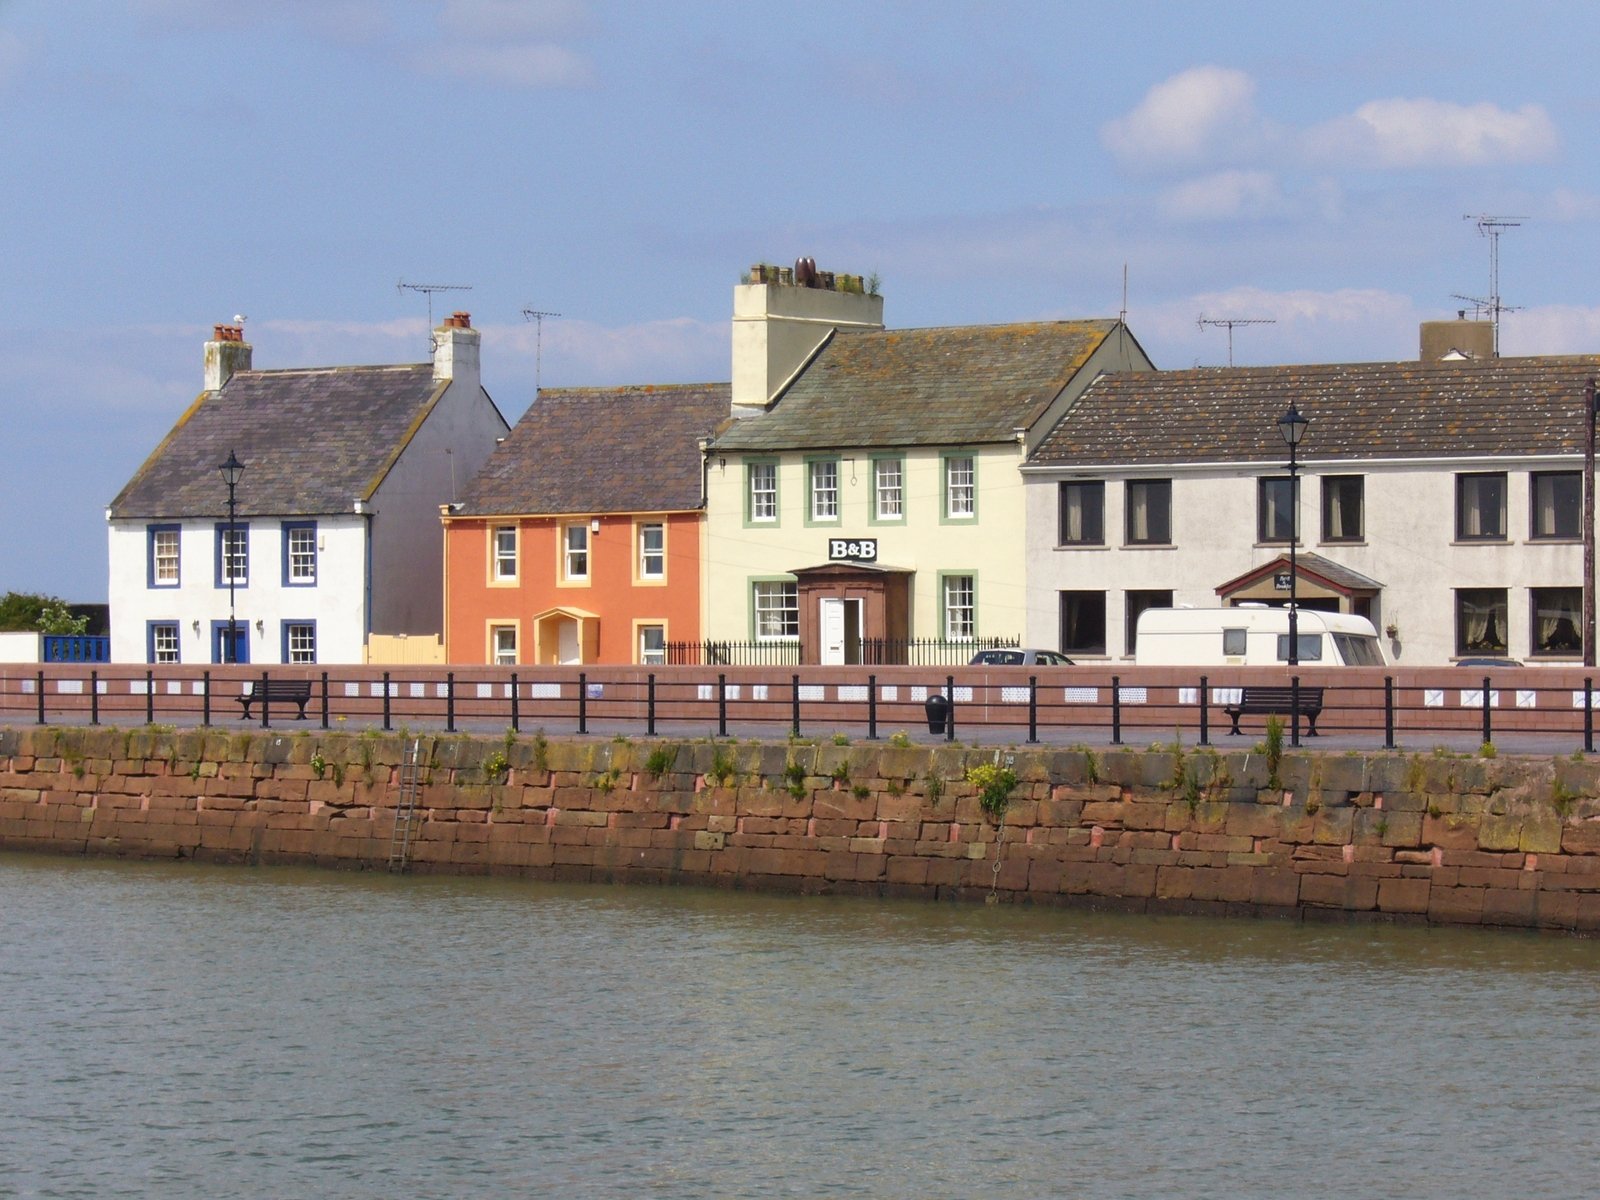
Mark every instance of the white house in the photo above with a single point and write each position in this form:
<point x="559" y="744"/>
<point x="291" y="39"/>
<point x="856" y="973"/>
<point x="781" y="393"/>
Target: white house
<point x="334" y="537"/>
<point x="1440" y="498"/>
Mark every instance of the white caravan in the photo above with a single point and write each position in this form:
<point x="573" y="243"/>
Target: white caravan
<point x="1252" y="635"/>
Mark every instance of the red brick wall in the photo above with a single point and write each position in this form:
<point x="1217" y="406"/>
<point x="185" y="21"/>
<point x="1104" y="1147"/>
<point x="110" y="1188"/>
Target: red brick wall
<point x="1426" y="838"/>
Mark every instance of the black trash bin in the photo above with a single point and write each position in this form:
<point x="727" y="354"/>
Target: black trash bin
<point x="938" y="712"/>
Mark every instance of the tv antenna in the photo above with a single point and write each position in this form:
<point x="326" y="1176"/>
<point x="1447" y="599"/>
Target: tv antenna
<point x="1229" y="323"/>
<point x="537" y="316"/>
<point x="1491" y="228"/>
<point x="430" y="289"/>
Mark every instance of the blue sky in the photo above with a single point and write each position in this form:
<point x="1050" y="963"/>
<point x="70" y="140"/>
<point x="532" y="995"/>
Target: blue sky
<point x="169" y="163"/>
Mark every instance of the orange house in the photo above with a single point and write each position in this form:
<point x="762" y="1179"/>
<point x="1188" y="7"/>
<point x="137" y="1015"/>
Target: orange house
<point x="580" y="541"/>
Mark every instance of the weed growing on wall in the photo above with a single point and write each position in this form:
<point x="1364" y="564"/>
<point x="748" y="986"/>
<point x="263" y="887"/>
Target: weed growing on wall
<point x="660" y="761"/>
<point x="495" y="767"/>
<point x="995" y="785"/>
<point x="723" y="769"/>
<point x="1274" y="751"/>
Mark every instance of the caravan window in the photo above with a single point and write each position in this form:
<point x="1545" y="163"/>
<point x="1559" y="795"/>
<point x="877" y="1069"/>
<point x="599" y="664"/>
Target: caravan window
<point x="1358" y="651"/>
<point x="1233" y="641"/>
<point x="1310" y="647"/>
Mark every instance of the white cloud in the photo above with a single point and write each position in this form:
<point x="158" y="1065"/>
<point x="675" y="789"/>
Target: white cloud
<point x="506" y="20"/>
<point x="1224" y="196"/>
<point x="519" y="65"/>
<point x="1433" y="133"/>
<point x="670" y="350"/>
<point x="1345" y="325"/>
<point x="1568" y="205"/>
<point x="1192" y="117"/>
<point x="1551" y="329"/>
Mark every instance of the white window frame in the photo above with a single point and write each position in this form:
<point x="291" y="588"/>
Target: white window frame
<point x="503" y="551"/>
<point x="160" y="653"/>
<point x="305" y="634"/>
<point x="775" y="609"/>
<point x="763" y="499"/>
<point x="889" y="493"/>
<point x="500" y="653"/>
<point x="575" y="552"/>
<point x="958" y="601"/>
<point x="160" y="560"/>
<point x="960" y="487"/>
<point x="823" y="476"/>
<point x="652" y="656"/>
<point x="302" y="553"/>
<point x="653" y="559"/>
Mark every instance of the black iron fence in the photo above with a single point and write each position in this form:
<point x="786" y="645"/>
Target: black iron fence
<point x="1548" y="709"/>
<point x="870" y="652"/>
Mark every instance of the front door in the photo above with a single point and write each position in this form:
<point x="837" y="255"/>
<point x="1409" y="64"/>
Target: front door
<point x="840" y="627"/>
<point x="567" y="652"/>
<point x="219" y="642"/>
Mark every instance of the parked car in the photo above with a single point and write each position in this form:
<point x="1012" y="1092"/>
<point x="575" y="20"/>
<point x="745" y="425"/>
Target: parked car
<point x="1487" y="662"/>
<point x="1020" y="658"/>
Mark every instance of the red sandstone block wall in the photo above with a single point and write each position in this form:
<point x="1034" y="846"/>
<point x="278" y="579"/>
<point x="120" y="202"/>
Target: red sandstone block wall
<point x="1449" y="840"/>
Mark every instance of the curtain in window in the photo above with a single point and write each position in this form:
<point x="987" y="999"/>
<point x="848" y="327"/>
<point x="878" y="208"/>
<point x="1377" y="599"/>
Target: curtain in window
<point x="1483" y="623"/>
<point x="1072" y="516"/>
<point x="1138" y="513"/>
<point x="1555" y="622"/>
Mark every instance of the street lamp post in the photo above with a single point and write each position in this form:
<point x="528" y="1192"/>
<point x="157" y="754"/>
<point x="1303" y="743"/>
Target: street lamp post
<point x="230" y="471"/>
<point x="1588" y="524"/>
<point x="1292" y="427"/>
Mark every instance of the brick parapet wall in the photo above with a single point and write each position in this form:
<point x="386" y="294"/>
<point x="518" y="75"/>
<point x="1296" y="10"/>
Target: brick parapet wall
<point x="1459" y="840"/>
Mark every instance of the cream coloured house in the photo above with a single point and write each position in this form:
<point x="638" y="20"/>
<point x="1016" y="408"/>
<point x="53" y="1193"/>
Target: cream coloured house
<point x="868" y="492"/>
<point x="1441" y="498"/>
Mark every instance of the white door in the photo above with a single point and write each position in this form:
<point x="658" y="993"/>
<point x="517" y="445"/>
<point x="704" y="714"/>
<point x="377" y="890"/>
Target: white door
<point x="567" y="643"/>
<point x="832" y="632"/>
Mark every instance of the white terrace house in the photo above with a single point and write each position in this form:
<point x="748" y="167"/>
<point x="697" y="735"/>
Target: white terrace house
<point x="1439" y="498"/>
<point x="868" y="487"/>
<point x="335" y="544"/>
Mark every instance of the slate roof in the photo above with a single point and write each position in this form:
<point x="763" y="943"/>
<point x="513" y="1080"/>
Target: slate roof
<point x="601" y="450"/>
<point x="916" y="387"/>
<point x="1398" y="410"/>
<point x="1308" y="562"/>
<point x="312" y="442"/>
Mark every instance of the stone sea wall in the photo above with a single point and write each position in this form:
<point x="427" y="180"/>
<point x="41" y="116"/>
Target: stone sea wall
<point x="1446" y="839"/>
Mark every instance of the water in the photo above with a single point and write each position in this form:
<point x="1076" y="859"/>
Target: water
<point x="183" y="1031"/>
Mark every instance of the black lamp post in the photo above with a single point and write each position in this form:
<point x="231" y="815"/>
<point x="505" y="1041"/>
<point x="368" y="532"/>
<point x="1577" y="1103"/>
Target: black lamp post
<point x="1292" y="426"/>
<point x="230" y="471"/>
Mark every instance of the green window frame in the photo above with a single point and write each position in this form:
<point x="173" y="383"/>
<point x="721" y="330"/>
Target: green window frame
<point x="958" y="487"/>
<point x="762" y="496"/>
<point x="823" y="490"/>
<point x="951" y="586"/>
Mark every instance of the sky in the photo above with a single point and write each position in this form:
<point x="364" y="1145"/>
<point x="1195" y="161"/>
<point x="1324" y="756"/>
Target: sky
<point x="167" y="164"/>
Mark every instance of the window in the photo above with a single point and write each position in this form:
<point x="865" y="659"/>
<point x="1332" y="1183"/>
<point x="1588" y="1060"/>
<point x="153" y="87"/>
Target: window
<point x="1149" y="512"/>
<point x="823" y="477"/>
<point x="1310" y="647"/>
<point x="233" y="555"/>
<point x="776" y="605"/>
<point x="960" y="487"/>
<point x="1480" y="621"/>
<point x="1342" y="504"/>
<point x="1275" y="510"/>
<point x="1083" y="622"/>
<point x="1481" y="508"/>
<point x="653" y="551"/>
<point x="503" y="645"/>
<point x="888" y="489"/>
<point x="575" y="551"/>
<point x="1235" y="642"/>
<point x="958" y="600"/>
<point x="505" y="552"/>
<point x="1137" y="602"/>
<point x="162" y="641"/>
<point x="1556" y="616"/>
<point x="653" y="645"/>
<point x="1082" y="516"/>
<point x="762" y="501"/>
<point x="299" y="642"/>
<point x="162" y="570"/>
<point x="1556" y="502"/>
<point x="299" y="553"/>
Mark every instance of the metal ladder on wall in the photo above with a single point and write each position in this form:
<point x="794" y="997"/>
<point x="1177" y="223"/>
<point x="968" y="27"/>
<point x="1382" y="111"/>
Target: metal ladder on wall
<point x="406" y="806"/>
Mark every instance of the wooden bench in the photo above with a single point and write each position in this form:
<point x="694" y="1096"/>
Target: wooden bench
<point x="1276" y="701"/>
<point x="277" y="691"/>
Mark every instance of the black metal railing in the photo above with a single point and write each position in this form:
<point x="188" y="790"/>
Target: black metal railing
<point x="868" y="652"/>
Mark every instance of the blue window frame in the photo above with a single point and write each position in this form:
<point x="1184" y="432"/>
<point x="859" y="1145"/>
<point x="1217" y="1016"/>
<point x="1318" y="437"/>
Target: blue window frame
<point x="161" y="644"/>
<point x="240" y="557"/>
<point x="162" y="561"/>
<point x="299" y="554"/>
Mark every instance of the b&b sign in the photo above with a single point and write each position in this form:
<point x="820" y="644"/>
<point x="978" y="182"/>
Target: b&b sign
<point x="853" y="550"/>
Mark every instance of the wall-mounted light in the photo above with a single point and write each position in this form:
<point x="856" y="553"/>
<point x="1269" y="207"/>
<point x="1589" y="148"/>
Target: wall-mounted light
<point x="594" y="524"/>
<point x="195" y="625"/>
<point x="261" y="626"/>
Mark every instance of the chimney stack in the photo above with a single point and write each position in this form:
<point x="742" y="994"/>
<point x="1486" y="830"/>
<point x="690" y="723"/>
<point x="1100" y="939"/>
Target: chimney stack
<point x="226" y="352"/>
<point x="1452" y="341"/>
<point x="781" y="317"/>
<point x="455" y="350"/>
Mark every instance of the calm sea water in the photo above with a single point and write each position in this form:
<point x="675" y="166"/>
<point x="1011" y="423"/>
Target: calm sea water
<point x="182" y="1031"/>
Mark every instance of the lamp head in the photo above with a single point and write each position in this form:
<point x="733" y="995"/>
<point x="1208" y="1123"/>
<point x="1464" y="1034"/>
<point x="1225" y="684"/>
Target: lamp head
<point x="1292" y="426"/>
<point x="231" y="470"/>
